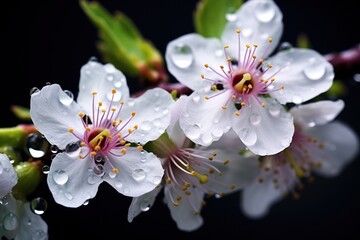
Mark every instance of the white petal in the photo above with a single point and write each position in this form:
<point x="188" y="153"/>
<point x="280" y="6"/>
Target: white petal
<point x="305" y="75"/>
<point x="53" y="113"/>
<point x="257" y="199"/>
<point x="96" y="77"/>
<point x="184" y="214"/>
<point x="139" y="172"/>
<point x="264" y="130"/>
<point x="31" y="226"/>
<point x="338" y="151"/>
<point x="258" y="21"/>
<point x="204" y="121"/>
<point x="186" y="56"/>
<point x="8" y="176"/>
<point x="9" y="211"/>
<point x="174" y="131"/>
<point x="142" y="203"/>
<point x="70" y="181"/>
<point x="316" y="113"/>
<point x="152" y="115"/>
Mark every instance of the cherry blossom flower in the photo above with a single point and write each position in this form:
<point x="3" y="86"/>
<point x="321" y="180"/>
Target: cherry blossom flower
<point x="8" y="176"/>
<point x="18" y="222"/>
<point x="99" y="136"/>
<point x="194" y="172"/>
<point x="238" y="84"/>
<point x="316" y="149"/>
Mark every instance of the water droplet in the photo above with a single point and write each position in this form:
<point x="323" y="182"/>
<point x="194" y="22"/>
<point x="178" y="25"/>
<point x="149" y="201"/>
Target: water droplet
<point x="93" y="59"/>
<point x="285" y="46"/>
<point x="217" y="132"/>
<point x="126" y="190"/>
<point x="36" y="145"/>
<point x="29" y="222"/>
<point x="219" y="53"/>
<point x="146" y="126"/>
<point x="157" y="180"/>
<point x="4" y="201"/>
<point x="99" y="170"/>
<point x="297" y="99"/>
<point x="118" y="184"/>
<point x="10" y="222"/>
<point x="131" y="103"/>
<point x="314" y="71"/>
<point x="165" y="111"/>
<point x="139" y="174"/>
<point x="72" y="148"/>
<point x="69" y="196"/>
<point x="145" y="206"/>
<point x="38" y="205"/>
<point x="86" y="202"/>
<point x="274" y="109"/>
<point x="54" y="148"/>
<point x="40" y="235"/>
<point x="311" y="124"/>
<point x="217" y="195"/>
<point x="357" y="77"/>
<point x="66" y="97"/>
<point x="117" y="84"/>
<point x="110" y="77"/>
<point x="182" y="56"/>
<point x="112" y="174"/>
<point x="231" y="17"/>
<point x="93" y="179"/>
<point x="265" y="12"/>
<point x="45" y="169"/>
<point x="255" y="119"/>
<point x="117" y="96"/>
<point x="216" y="120"/>
<point x="196" y="98"/>
<point x="193" y="132"/>
<point x="206" y="138"/>
<point x="34" y="90"/>
<point x="157" y="122"/>
<point x="60" y="177"/>
<point x="247" y="32"/>
<point x="248" y="136"/>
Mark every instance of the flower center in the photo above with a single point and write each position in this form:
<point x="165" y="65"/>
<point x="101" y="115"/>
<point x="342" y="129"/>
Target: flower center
<point x="242" y="83"/>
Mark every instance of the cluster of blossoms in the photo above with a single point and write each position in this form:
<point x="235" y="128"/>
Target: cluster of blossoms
<point x="249" y="125"/>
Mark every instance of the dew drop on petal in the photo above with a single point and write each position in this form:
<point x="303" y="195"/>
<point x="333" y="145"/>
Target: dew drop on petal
<point x="314" y="71"/>
<point x="45" y="169"/>
<point x="193" y="132"/>
<point x="255" y="119"/>
<point x="86" y="202"/>
<point x="36" y="145"/>
<point x="69" y="196"/>
<point x="131" y="103"/>
<point x="138" y="174"/>
<point x="10" y="222"/>
<point x="217" y="132"/>
<point x="109" y="77"/>
<point x="66" y="97"/>
<point x="357" y="77"/>
<point x="156" y="180"/>
<point x="40" y="235"/>
<point x="38" y="205"/>
<point x="265" y="12"/>
<point x="182" y="56"/>
<point x="93" y="179"/>
<point x="54" y="148"/>
<point x="219" y="53"/>
<point x="143" y="156"/>
<point x="145" y="206"/>
<point x="274" y="109"/>
<point x="112" y="174"/>
<point x="196" y="98"/>
<point x="126" y="190"/>
<point x="247" y="32"/>
<point x="248" y="136"/>
<point x="118" y="184"/>
<point x="60" y="177"/>
<point x="296" y="99"/>
<point x="34" y="90"/>
<point x="72" y="148"/>
<point x="285" y="46"/>
<point x="206" y="138"/>
<point x="146" y="126"/>
<point x="99" y="170"/>
<point x="311" y="124"/>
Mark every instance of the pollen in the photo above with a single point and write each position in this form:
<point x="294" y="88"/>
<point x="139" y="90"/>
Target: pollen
<point x="206" y="65"/>
<point x="238" y="31"/>
<point x="70" y="130"/>
<point x="136" y="127"/>
<point x="94" y="93"/>
<point x="123" y="150"/>
<point x="81" y="114"/>
<point x="226" y="162"/>
<point x="263" y="104"/>
<point x="224" y="107"/>
<point x="115" y="170"/>
<point x="226" y="46"/>
<point x="121" y="102"/>
<point x="270" y="40"/>
<point x="113" y="91"/>
<point x="202" y="76"/>
<point x="100" y="104"/>
<point x="140" y="148"/>
<point x="237" y="113"/>
<point x="122" y="142"/>
<point x="133" y="114"/>
<point x="213" y="88"/>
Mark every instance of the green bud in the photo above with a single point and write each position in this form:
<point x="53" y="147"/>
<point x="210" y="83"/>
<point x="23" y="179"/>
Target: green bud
<point x="13" y="155"/>
<point x="29" y="176"/>
<point x="15" y="136"/>
<point x="20" y="112"/>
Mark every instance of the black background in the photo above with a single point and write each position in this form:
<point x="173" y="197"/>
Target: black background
<point x="50" y="41"/>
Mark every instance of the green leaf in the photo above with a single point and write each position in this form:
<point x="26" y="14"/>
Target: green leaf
<point x="122" y="44"/>
<point x="210" y="16"/>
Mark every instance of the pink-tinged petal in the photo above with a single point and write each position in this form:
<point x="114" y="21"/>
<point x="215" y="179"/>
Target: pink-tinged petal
<point x="96" y="77"/>
<point x="257" y="199"/>
<point x="264" y="130"/>
<point x="142" y="203"/>
<point x="258" y="21"/>
<point x="316" y="113"/>
<point x="38" y="228"/>
<point x="204" y="120"/>
<point x="8" y="176"/>
<point x="152" y="115"/>
<point x="340" y="147"/>
<point x="187" y="213"/>
<point x="70" y="181"/>
<point x="53" y="112"/>
<point x="139" y="172"/>
<point x="305" y="74"/>
<point x="174" y="131"/>
<point x="186" y="56"/>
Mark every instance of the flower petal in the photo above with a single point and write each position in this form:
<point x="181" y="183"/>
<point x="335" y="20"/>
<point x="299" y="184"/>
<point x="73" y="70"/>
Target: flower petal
<point x="258" y="21"/>
<point x="305" y="75"/>
<point x="152" y="115"/>
<point x="142" y="203"/>
<point x="316" y="113"/>
<point x="186" y="56"/>
<point x="204" y="121"/>
<point x="96" y="77"/>
<point x="186" y="218"/>
<point x="174" y="131"/>
<point x="53" y="112"/>
<point x="139" y="172"/>
<point x="257" y="199"/>
<point x="38" y="228"/>
<point x="264" y="130"/>
<point x="70" y="181"/>
<point x="338" y="152"/>
<point x="8" y="176"/>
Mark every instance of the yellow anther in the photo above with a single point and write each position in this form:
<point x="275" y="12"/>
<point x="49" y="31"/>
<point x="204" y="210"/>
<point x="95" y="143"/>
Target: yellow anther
<point x="113" y="91"/>
<point x="237" y="113"/>
<point x="136" y="127"/>
<point x="254" y="56"/>
<point x="133" y="114"/>
<point x="113" y="109"/>
<point x="119" y="135"/>
<point x="272" y="79"/>
<point x="197" y="212"/>
<point x="214" y="154"/>
<point x="240" y="85"/>
<point x="255" y="45"/>
<point x="247" y="45"/>
<point x="270" y="40"/>
<point x="224" y="107"/>
<point x="228" y="59"/>
<point x="128" y="145"/>
<point x="71" y="130"/>
<point x="82" y="144"/>
<point x="263" y="104"/>
<point x="226" y="162"/>
<point x="168" y="181"/>
<point x="221" y="66"/>
<point x="80" y="155"/>
<point x="211" y="170"/>
<point x="233" y="97"/>
<point x="97" y="148"/>
<point x="232" y="186"/>
<point x="206" y="65"/>
<point x="226" y="46"/>
<point x="123" y="150"/>
<point x="178" y="198"/>
<point x="206" y="97"/>
<point x="213" y="88"/>
<point x="249" y="86"/>
<point x="140" y="147"/>
<point x="81" y="114"/>
<point x="103" y="110"/>
<point x="282" y="86"/>
<point x="94" y="93"/>
<point x="121" y="102"/>
<point x="130" y="131"/>
<point x="176" y="204"/>
<point x="238" y="31"/>
<point x="93" y="153"/>
<point x="187" y="192"/>
<point x="122" y="142"/>
<point x="202" y="76"/>
<point x="100" y="104"/>
<point x="269" y="65"/>
<point x="114" y="123"/>
<point x="243" y="104"/>
<point x="88" y="129"/>
<point x="120" y="120"/>
<point x="115" y="170"/>
<point x="210" y="158"/>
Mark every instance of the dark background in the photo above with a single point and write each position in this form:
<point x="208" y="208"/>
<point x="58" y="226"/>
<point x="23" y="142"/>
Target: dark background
<point x="50" y="41"/>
